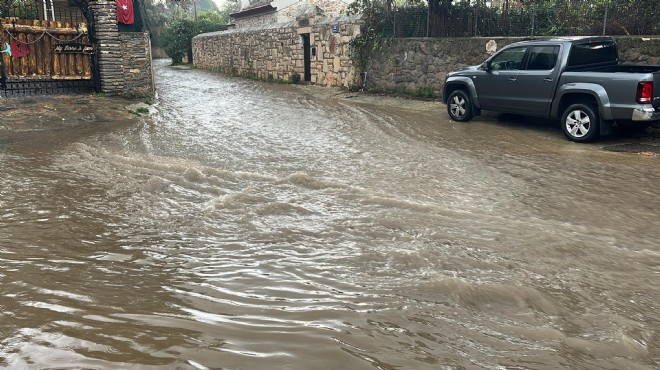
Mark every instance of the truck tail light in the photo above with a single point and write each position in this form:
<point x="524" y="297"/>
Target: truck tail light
<point x="644" y="92"/>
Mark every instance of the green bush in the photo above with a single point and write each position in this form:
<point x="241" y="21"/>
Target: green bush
<point x="177" y="35"/>
<point x="210" y="22"/>
<point x="177" y="38"/>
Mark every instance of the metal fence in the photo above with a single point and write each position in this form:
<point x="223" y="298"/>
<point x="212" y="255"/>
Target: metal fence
<point x="464" y="18"/>
<point x="40" y="10"/>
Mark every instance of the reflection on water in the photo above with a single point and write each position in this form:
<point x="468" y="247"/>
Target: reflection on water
<point x="258" y="226"/>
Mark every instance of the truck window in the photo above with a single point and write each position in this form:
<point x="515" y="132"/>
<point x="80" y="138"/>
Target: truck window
<point x="592" y="53"/>
<point x="508" y="59"/>
<point x="543" y="58"/>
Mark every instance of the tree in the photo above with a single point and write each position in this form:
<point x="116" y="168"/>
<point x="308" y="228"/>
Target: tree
<point x="157" y="15"/>
<point x="205" y="6"/>
<point x="18" y="8"/>
<point x="230" y="6"/>
<point x="210" y="22"/>
<point x="178" y="33"/>
<point x="177" y="37"/>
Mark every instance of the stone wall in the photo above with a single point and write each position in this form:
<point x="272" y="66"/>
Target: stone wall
<point x="423" y="63"/>
<point x="136" y="62"/>
<point x="108" y="46"/>
<point x="121" y="57"/>
<point x="330" y="8"/>
<point x="639" y="50"/>
<point x="276" y="51"/>
<point x="256" y="20"/>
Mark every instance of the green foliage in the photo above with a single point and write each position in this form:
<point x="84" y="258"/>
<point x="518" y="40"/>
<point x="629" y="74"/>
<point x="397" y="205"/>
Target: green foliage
<point x="156" y="16"/>
<point x="427" y="92"/>
<point x="560" y="17"/>
<point x="205" y="6"/>
<point x="177" y="36"/>
<point x="295" y="78"/>
<point x="162" y="15"/>
<point x="210" y="21"/>
<point x="374" y="33"/>
<point x="465" y="18"/>
<point x="230" y="6"/>
<point x="24" y="9"/>
<point x="422" y="92"/>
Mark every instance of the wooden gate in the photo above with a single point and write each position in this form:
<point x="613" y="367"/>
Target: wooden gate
<point x="41" y="56"/>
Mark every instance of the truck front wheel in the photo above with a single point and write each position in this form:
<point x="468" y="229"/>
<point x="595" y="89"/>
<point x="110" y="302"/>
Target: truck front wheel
<point x="459" y="106"/>
<point x="580" y="122"/>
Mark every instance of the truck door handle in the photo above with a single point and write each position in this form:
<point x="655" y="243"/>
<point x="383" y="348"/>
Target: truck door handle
<point x="547" y="80"/>
<point x="512" y="79"/>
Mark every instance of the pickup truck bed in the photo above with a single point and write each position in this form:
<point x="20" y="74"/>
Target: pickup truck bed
<point x="619" y="68"/>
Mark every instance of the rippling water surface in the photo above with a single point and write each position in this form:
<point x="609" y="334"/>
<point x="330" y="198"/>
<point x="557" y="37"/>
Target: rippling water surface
<point x="255" y="226"/>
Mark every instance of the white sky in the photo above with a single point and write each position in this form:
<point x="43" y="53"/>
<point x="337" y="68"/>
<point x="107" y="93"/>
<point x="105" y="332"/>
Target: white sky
<point x="219" y="3"/>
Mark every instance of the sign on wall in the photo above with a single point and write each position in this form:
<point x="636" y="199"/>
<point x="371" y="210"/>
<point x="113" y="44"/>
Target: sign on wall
<point x="74" y="48"/>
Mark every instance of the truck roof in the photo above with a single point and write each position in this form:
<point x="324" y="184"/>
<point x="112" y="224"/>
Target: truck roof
<point x="566" y="39"/>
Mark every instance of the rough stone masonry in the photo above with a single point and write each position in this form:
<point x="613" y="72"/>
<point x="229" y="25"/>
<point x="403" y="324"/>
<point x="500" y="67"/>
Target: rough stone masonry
<point x="124" y="59"/>
<point x="275" y="51"/>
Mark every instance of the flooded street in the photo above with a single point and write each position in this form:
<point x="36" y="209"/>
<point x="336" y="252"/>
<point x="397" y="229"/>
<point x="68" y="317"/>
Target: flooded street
<point x="248" y="225"/>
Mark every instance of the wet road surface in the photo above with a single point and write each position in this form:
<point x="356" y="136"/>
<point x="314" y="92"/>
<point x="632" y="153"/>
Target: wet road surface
<point x="258" y="226"/>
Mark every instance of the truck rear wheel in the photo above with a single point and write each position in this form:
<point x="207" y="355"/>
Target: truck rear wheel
<point x="580" y="122"/>
<point x="459" y="106"/>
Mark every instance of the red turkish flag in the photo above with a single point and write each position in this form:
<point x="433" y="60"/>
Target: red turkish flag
<point x="125" y="11"/>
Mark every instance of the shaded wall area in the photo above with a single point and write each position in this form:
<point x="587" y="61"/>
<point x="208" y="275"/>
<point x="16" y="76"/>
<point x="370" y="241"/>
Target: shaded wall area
<point x="137" y="64"/>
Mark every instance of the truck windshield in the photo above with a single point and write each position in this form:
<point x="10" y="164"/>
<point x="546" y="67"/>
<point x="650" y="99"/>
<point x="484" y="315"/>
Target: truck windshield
<point x="592" y="53"/>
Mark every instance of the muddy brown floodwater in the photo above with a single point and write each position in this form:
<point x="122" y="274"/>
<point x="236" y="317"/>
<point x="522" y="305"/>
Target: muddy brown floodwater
<point x="246" y="225"/>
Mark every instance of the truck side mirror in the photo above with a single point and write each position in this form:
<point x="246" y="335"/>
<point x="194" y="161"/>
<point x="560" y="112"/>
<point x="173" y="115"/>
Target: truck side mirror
<point x="486" y="66"/>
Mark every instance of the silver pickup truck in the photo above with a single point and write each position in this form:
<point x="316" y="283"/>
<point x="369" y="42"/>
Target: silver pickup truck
<point x="577" y="80"/>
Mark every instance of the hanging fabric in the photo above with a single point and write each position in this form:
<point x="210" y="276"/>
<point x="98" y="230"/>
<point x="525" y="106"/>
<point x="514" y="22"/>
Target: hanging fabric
<point x="125" y="13"/>
<point x="19" y="49"/>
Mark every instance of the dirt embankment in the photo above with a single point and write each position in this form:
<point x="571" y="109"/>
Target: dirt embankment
<point x="45" y="112"/>
<point x="31" y="117"/>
